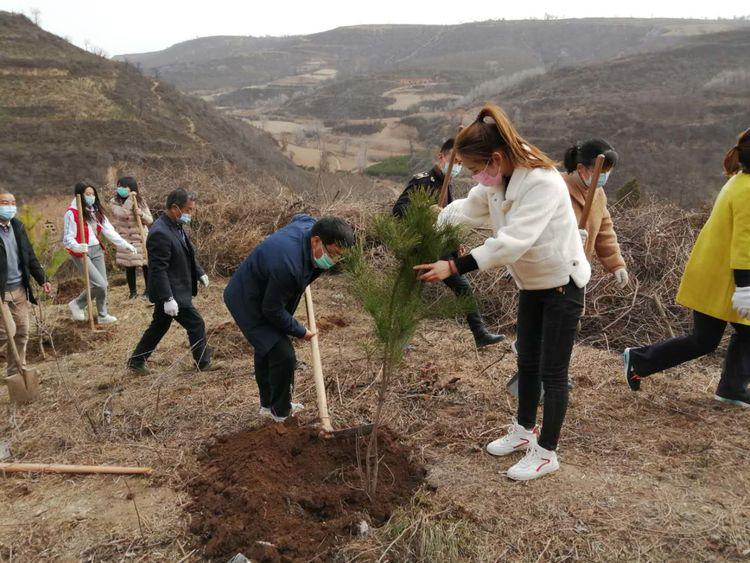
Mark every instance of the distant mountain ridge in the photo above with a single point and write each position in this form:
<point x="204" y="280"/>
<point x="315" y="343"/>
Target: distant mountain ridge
<point x="499" y="47"/>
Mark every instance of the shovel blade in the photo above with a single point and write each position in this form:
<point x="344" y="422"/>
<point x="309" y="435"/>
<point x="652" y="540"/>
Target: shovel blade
<point x="512" y="387"/>
<point x="31" y="378"/>
<point x="17" y="389"/>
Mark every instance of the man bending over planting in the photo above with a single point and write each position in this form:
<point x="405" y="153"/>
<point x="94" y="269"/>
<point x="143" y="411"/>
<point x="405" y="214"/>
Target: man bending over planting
<point x="263" y="295"/>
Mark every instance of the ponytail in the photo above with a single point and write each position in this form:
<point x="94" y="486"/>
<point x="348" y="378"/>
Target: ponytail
<point x="480" y="139"/>
<point x="586" y="152"/>
<point x="737" y="158"/>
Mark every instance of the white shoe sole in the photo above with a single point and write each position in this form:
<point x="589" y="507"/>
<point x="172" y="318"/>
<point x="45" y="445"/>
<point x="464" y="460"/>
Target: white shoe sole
<point x="531" y="476"/>
<point x="732" y="402"/>
<point x="504" y="453"/>
<point x="106" y="322"/>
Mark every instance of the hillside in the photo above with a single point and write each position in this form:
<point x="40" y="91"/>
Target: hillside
<point x="66" y="114"/>
<point x="220" y="64"/>
<point x="672" y="115"/>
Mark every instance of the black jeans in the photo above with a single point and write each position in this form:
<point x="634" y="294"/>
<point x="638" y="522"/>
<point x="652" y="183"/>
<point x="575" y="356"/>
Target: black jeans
<point x="547" y="325"/>
<point x="705" y="338"/>
<point x="189" y="318"/>
<point x="274" y="373"/>
<point x="130" y="276"/>
<point x="461" y="287"/>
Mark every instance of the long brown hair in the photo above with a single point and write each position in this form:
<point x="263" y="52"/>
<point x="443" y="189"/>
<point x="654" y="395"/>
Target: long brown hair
<point x="737" y="158"/>
<point x="479" y="140"/>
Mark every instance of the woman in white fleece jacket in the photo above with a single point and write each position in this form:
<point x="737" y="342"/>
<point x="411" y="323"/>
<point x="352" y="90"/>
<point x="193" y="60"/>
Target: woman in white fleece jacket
<point x="524" y="201"/>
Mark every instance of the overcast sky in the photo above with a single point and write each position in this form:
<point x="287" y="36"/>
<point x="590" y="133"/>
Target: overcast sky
<point x="134" y="26"/>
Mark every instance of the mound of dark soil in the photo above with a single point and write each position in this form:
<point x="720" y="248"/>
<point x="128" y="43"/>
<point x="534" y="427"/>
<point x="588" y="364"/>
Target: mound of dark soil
<point x="282" y="493"/>
<point x="226" y="341"/>
<point x="69" y="337"/>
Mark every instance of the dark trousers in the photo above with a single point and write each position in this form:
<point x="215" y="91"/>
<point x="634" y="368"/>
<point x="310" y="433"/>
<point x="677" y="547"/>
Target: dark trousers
<point x="705" y="338"/>
<point x="130" y="275"/>
<point x="547" y="325"/>
<point x="274" y="373"/>
<point x="459" y="285"/>
<point x="189" y="318"/>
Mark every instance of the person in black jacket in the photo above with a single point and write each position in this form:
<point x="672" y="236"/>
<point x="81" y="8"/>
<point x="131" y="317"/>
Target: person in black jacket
<point x="432" y="183"/>
<point x="173" y="276"/>
<point x="18" y="264"/>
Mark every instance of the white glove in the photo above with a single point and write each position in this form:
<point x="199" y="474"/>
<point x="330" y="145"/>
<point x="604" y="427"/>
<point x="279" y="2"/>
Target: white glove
<point x="171" y="308"/>
<point x="584" y="235"/>
<point x="204" y="280"/>
<point x="741" y="301"/>
<point x="621" y="277"/>
<point x="130" y="248"/>
<point x="81" y="248"/>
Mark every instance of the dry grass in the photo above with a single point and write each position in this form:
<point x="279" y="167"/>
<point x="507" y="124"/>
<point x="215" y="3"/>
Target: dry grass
<point x="651" y="476"/>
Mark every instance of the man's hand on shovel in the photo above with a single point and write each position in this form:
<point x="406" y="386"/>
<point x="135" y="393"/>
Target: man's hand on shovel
<point x="310" y="334"/>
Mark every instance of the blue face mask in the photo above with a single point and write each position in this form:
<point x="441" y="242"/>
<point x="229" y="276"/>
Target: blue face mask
<point x="455" y="171"/>
<point x="185" y="218"/>
<point x="89" y="200"/>
<point x="7" y="212"/>
<point x="123" y="192"/>
<point x="603" y="177"/>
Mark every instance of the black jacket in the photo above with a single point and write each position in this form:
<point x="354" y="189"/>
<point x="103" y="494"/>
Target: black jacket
<point x="27" y="261"/>
<point x="173" y="270"/>
<point x="431" y="181"/>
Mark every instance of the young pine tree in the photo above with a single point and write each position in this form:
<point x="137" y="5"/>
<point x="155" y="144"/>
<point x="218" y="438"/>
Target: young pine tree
<point x="393" y="296"/>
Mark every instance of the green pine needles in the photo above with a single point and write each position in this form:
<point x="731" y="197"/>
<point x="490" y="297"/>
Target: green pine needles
<point x="391" y="293"/>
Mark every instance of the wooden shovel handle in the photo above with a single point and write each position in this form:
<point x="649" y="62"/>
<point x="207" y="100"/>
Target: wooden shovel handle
<point x="81" y="469"/>
<point x="5" y="311"/>
<point x="593" y="186"/>
<point x="320" y="387"/>
<point x="86" y="280"/>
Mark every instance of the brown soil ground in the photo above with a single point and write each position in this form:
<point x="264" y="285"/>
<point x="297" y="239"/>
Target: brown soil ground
<point x="650" y="476"/>
<point x="257" y="490"/>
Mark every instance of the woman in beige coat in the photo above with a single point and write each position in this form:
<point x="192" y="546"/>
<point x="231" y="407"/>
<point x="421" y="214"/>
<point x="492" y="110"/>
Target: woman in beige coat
<point x="123" y="217"/>
<point x="601" y="239"/>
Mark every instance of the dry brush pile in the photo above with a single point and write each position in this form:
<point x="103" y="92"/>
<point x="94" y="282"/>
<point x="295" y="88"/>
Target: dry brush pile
<point x="656" y="239"/>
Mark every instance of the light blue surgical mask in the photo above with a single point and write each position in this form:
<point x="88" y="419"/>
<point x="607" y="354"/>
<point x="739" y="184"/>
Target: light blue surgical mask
<point x="123" y="192"/>
<point x="90" y="200"/>
<point x="455" y="171"/>
<point x="324" y="262"/>
<point x="185" y="218"/>
<point x="7" y="212"/>
<point x="603" y="177"/>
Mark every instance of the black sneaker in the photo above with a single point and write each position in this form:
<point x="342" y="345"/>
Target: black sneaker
<point x="633" y="379"/>
<point x="133" y="295"/>
<point x="484" y="337"/>
<point x="740" y="399"/>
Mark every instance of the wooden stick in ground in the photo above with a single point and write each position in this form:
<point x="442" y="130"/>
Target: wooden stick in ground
<point x="87" y="283"/>
<point x="133" y="198"/>
<point x="79" y="469"/>
<point x="320" y="386"/>
<point x="591" y="192"/>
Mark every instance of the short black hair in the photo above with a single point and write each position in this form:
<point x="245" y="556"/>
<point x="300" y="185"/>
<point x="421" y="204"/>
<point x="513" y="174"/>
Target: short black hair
<point x="179" y="197"/>
<point x="447" y="146"/>
<point x="128" y="182"/>
<point x="586" y="152"/>
<point x="334" y="230"/>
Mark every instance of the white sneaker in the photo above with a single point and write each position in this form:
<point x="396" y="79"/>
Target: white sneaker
<point x="265" y="411"/>
<point x="518" y="439"/>
<point x="106" y="319"/>
<point x="536" y="463"/>
<point x="76" y="312"/>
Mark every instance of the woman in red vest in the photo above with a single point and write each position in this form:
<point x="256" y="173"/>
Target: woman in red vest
<point x="88" y="245"/>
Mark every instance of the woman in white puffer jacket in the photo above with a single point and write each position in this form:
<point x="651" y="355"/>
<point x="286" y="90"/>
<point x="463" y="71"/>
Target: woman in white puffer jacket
<point x="524" y="201"/>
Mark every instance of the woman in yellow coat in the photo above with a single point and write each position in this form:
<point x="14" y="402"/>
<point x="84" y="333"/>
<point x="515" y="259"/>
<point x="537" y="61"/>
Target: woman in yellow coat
<point x="716" y="286"/>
